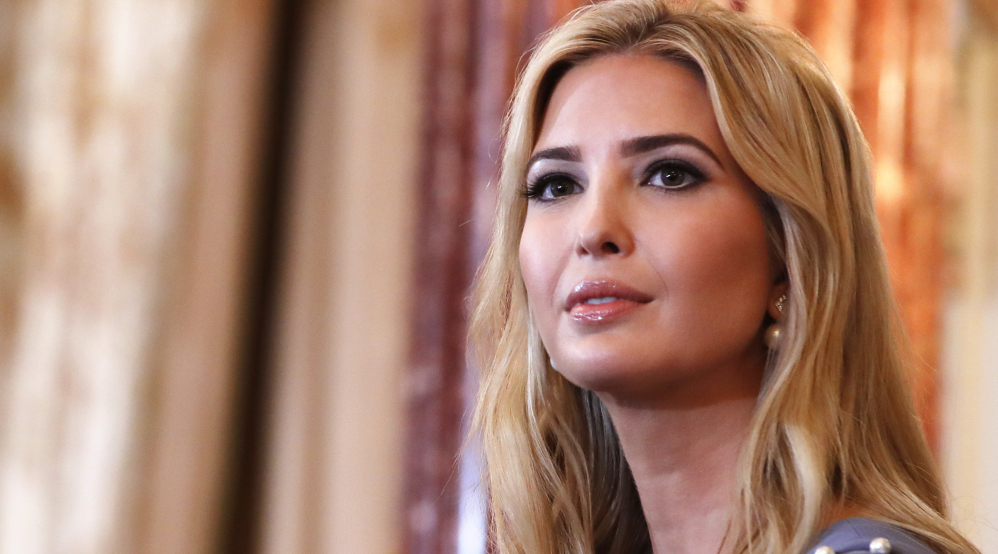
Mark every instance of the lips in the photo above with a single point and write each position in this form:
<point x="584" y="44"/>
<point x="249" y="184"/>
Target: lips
<point x="600" y="301"/>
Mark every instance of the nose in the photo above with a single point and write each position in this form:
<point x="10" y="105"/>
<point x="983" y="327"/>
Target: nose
<point x="603" y="228"/>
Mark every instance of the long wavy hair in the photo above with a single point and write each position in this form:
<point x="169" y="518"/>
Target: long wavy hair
<point x="835" y="424"/>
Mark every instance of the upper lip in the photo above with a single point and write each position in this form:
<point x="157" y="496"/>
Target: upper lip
<point x="602" y="288"/>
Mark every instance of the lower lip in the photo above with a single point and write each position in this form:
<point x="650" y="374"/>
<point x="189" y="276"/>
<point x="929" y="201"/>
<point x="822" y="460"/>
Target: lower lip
<point x="601" y="313"/>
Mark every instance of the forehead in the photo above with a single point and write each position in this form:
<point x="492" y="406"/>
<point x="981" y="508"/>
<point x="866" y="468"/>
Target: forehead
<point x="615" y="97"/>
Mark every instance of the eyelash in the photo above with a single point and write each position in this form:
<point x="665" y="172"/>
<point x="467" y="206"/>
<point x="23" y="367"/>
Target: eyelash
<point x="696" y="175"/>
<point x="537" y="189"/>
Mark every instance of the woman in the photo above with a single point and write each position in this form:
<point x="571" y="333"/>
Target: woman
<point x="684" y="321"/>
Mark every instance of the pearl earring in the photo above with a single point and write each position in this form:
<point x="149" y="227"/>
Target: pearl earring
<point x="773" y="336"/>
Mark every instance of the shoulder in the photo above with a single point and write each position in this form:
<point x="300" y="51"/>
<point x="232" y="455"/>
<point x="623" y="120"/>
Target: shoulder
<point x="862" y="535"/>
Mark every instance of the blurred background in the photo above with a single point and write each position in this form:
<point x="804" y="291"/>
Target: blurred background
<point x="236" y="238"/>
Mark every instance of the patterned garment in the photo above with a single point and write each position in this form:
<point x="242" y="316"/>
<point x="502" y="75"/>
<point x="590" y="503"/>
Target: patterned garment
<point x="861" y="535"/>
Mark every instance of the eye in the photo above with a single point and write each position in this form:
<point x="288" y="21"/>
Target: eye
<point x="552" y="187"/>
<point x="674" y="174"/>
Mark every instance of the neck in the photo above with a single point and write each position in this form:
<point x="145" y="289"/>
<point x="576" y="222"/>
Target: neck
<point x="684" y="456"/>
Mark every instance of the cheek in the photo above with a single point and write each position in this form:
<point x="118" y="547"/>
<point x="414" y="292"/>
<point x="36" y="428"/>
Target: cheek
<point x="717" y="272"/>
<point x="538" y="264"/>
<point x="733" y="257"/>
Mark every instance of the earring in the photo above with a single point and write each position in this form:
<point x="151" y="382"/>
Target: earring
<point x="773" y="336"/>
<point x="774" y="333"/>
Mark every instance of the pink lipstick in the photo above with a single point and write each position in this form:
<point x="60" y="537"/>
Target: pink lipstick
<point x="602" y="300"/>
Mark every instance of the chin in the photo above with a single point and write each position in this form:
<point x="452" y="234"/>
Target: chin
<point x="612" y="377"/>
<point x="682" y="380"/>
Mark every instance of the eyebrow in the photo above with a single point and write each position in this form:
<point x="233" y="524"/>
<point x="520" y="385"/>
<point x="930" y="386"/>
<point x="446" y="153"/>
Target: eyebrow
<point x="641" y="145"/>
<point x="564" y="153"/>
<point x="630" y="147"/>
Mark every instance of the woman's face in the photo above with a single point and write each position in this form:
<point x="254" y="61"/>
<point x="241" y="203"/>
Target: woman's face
<point x="644" y="251"/>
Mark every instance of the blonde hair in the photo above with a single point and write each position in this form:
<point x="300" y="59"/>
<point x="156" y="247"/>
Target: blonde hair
<point x="835" y="424"/>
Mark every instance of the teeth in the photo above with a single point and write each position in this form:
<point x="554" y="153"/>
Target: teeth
<point x="601" y="300"/>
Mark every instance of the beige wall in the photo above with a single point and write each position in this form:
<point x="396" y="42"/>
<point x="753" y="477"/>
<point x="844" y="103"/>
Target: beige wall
<point x="970" y="342"/>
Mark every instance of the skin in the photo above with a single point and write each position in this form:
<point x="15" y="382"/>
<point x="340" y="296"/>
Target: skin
<point x="678" y="224"/>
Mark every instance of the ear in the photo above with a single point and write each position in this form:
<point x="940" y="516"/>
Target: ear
<point x="779" y="290"/>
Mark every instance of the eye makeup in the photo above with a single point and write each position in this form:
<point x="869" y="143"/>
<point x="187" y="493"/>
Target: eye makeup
<point x="551" y="186"/>
<point x="669" y="173"/>
<point x="670" y="162"/>
<point x="673" y="174"/>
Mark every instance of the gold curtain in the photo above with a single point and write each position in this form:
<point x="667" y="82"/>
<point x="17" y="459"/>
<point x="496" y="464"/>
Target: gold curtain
<point x="129" y="136"/>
